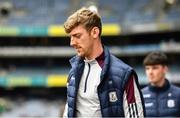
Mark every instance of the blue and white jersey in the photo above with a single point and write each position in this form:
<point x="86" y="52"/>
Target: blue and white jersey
<point x="162" y="101"/>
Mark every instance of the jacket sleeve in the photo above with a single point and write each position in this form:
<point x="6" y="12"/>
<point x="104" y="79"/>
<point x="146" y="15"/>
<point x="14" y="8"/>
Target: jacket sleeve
<point x="65" y="111"/>
<point x="132" y="99"/>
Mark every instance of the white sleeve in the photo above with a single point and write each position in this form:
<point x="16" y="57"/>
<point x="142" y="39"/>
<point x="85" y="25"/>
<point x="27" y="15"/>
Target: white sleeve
<point x="65" y="114"/>
<point x="132" y="103"/>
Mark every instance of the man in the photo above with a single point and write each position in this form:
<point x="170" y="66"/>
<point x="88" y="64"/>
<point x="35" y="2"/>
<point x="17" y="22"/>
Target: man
<point x="99" y="84"/>
<point x="162" y="99"/>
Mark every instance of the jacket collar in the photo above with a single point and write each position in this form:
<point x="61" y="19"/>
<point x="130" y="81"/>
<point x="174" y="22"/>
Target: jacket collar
<point x="160" y="89"/>
<point x="106" y="62"/>
<point x="76" y="60"/>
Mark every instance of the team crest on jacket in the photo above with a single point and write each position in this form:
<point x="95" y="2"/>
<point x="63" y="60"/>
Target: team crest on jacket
<point x="112" y="96"/>
<point x="171" y="103"/>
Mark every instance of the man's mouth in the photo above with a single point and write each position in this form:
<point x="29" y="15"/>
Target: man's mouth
<point x="78" y="48"/>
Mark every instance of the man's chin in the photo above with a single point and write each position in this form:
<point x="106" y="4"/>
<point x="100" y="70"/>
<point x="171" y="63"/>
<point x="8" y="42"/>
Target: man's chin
<point x="80" y="55"/>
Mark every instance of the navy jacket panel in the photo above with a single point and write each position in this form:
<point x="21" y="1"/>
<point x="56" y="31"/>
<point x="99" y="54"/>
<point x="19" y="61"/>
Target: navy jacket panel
<point x="162" y="102"/>
<point x="114" y="76"/>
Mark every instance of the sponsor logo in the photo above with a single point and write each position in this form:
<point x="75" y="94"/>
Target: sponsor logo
<point x="147" y="95"/>
<point x="169" y="94"/>
<point x="150" y="104"/>
<point x="110" y="82"/>
<point x="72" y="78"/>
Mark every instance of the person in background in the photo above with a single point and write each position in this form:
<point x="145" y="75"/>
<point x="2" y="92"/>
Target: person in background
<point x="99" y="84"/>
<point x="162" y="99"/>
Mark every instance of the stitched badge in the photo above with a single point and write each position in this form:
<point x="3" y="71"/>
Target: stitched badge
<point x="171" y="103"/>
<point x="112" y="96"/>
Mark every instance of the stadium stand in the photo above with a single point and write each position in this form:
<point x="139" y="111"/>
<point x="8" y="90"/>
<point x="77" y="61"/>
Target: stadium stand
<point x="45" y="12"/>
<point x="34" y="50"/>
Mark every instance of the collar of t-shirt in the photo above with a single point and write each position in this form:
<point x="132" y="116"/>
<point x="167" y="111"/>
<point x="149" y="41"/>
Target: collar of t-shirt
<point x="99" y="59"/>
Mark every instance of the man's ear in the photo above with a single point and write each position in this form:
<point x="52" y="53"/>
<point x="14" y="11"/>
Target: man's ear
<point x="166" y="68"/>
<point x="95" y="32"/>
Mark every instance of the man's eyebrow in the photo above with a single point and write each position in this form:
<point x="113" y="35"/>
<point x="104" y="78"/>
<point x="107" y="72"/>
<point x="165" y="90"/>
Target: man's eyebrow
<point x="76" y="34"/>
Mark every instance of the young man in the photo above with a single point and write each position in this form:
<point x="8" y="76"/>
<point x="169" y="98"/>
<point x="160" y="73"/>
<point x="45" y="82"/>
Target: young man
<point x="99" y="84"/>
<point x="162" y="99"/>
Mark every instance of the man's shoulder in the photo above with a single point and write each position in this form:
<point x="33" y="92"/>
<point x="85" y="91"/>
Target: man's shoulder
<point x="175" y="88"/>
<point x="119" y="68"/>
<point x="145" y="89"/>
<point x="116" y="62"/>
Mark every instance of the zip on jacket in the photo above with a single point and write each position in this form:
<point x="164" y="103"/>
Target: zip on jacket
<point x="85" y="87"/>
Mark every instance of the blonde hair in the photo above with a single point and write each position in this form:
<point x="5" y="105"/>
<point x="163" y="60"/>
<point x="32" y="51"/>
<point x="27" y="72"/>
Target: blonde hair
<point x="85" y="17"/>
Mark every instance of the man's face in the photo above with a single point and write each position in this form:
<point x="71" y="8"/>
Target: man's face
<point x="81" y="40"/>
<point x="155" y="73"/>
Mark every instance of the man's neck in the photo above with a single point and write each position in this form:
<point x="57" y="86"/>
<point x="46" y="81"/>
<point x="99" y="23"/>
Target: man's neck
<point x="159" y="84"/>
<point x="97" y="50"/>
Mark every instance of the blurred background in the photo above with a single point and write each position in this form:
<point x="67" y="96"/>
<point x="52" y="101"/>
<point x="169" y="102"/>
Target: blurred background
<point x="35" y="51"/>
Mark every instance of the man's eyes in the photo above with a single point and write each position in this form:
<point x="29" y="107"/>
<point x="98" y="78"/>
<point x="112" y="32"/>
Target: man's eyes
<point x="78" y="36"/>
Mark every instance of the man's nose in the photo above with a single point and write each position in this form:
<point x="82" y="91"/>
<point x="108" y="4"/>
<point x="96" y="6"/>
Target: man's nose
<point x="150" y="71"/>
<point x="72" y="42"/>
